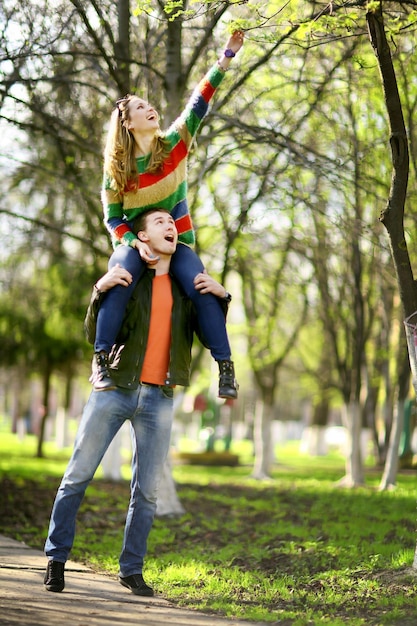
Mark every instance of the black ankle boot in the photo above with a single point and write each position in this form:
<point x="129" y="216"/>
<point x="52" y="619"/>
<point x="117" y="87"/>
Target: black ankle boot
<point x="227" y="382"/>
<point x="54" y="576"/>
<point x="101" y="378"/>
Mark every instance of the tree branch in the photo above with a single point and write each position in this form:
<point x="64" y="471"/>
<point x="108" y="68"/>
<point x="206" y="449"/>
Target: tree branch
<point x="48" y="226"/>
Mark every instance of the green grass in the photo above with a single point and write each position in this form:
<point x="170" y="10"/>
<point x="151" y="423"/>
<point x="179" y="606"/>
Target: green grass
<point x="295" y="550"/>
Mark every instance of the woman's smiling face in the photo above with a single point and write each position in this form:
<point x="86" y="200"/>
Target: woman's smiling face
<point x="142" y="116"/>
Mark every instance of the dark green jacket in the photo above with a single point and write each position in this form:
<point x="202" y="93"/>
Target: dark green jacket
<point x="127" y="355"/>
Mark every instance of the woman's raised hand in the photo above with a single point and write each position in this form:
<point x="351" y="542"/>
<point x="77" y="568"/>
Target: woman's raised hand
<point x="235" y="41"/>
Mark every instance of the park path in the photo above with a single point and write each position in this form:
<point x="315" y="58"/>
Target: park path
<point x="89" y="599"/>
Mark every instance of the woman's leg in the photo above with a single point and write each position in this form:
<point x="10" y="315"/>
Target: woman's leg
<point x="185" y="265"/>
<point x="111" y="313"/>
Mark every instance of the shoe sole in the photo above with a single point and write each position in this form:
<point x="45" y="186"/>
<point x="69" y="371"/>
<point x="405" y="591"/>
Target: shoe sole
<point x="228" y="396"/>
<point x="54" y="588"/>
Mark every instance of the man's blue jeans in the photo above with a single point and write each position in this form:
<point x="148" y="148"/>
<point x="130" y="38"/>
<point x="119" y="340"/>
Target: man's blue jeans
<point x="150" y="410"/>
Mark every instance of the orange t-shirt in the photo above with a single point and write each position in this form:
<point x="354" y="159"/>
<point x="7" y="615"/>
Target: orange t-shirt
<point x="156" y="362"/>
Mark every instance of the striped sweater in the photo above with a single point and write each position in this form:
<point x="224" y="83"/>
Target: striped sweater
<point x="166" y="188"/>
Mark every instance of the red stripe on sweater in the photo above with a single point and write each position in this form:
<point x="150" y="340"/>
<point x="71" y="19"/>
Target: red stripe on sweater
<point x="178" y="153"/>
<point x="121" y="230"/>
<point x="184" y="224"/>
<point x="206" y="89"/>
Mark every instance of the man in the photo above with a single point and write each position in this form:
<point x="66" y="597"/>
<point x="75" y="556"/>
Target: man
<point x="151" y="356"/>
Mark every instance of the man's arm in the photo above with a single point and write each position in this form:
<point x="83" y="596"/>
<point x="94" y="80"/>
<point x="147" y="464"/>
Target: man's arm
<point x="116" y="276"/>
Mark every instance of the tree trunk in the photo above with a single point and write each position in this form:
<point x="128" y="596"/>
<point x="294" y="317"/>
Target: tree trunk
<point x="122" y="46"/>
<point x="262" y="441"/>
<point x="352" y="419"/>
<point x="174" y="79"/>
<point x="45" y="413"/>
<point x="393" y="216"/>
<point x="168" y="501"/>
<point x="315" y="433"/>
<point x="112" y="460"/>
<point x="391" y="465"/>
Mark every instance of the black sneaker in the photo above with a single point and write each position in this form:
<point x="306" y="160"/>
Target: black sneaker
<point x="136" y="584"/>
<point x="54" y="576"/>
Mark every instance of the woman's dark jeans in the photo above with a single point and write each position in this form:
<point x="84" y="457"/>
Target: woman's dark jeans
<point x="185" y="265"/>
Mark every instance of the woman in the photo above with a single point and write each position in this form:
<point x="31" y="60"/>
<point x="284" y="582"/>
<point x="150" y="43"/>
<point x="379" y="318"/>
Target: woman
<point x="143" y="168"/>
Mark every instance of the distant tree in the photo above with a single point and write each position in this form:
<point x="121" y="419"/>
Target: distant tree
<point x="393" y="217"/>
<point x="275" y="312"/>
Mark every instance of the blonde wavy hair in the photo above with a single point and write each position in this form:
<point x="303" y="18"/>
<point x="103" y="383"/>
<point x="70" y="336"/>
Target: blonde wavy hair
<point x="119" y="151"/>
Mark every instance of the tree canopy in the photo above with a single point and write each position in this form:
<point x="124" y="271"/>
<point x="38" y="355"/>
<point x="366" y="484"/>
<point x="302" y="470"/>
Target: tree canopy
<point x="297" y="169"/>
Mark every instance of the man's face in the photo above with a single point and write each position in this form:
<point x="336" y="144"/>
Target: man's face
<point x="161" y="233"/>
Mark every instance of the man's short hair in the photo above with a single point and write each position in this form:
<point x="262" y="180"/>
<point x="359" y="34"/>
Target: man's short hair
<point x="140" y="222"/>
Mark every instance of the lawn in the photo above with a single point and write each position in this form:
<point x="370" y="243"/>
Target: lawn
<point x="295" y="550"/>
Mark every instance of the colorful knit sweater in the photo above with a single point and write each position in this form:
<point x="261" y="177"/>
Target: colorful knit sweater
<point x="167" y="188"/>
